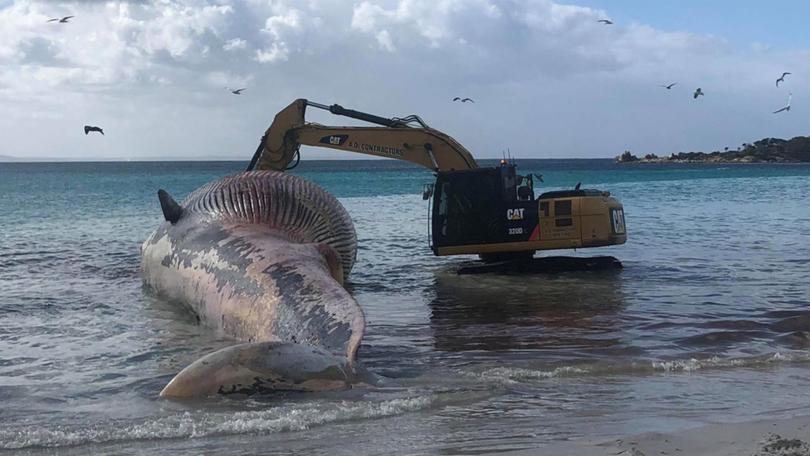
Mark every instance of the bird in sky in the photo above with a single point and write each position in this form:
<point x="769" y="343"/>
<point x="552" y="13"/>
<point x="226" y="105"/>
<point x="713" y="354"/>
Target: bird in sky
<point x="670" y="86"/>
<point x="64" y="20"/>
<point x="605" y="21"/>
<point x="464" y="100"/>
<point x="237" y="91"/>
<point x="786" y="108"/>
<point x="698" y="93"/>
<point x="781" y="78"/>
<point x="88" y="129"/>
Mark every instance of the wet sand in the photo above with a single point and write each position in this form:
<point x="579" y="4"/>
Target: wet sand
<point x="783" y="437"/>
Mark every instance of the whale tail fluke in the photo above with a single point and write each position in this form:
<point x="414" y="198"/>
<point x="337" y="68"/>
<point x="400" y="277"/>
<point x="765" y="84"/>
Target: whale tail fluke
<point x="265" y="367"/>
<point x="171" y="210"/>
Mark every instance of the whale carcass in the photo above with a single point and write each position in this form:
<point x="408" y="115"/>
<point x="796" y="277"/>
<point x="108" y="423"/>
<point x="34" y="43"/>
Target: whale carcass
<point x="261" y="256"/>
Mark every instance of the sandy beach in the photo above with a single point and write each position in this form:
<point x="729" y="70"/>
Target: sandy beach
<point x="783" y="437"/>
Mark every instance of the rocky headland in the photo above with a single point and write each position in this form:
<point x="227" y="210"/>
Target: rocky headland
<point x="767" y="150"/>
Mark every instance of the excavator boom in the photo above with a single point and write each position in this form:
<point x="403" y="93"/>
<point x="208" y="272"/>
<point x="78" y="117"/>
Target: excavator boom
<point x="408" y="139"/>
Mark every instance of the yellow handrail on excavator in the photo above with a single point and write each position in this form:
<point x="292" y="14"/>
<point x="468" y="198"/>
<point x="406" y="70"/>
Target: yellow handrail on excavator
<point x="408" y="138"/>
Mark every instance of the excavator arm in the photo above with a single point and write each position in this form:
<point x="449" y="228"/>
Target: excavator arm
<point x="408" y="139"/>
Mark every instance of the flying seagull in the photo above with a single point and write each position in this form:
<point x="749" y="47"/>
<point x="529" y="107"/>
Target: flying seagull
<point x="668" y="87"/>
<point x="63" y="20"/>
<point x="236" y="91"/>
<point x="605" y="21"/>
<point x="786" y="108"/>
<point x="781" y="78"/>
<point x="698" y="93"/>
<point x="88" y="129"/>
<point x="464" y="100"/>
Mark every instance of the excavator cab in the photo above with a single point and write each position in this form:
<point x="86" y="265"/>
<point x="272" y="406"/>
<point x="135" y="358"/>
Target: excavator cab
<point x="493" y="212"/>
<point x="469" y="207"/>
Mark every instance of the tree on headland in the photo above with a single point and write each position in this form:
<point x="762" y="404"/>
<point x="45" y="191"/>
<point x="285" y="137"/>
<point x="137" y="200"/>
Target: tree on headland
<point x="626" y="157"/>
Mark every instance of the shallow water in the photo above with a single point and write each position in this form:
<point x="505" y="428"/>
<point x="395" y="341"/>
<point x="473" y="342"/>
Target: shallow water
<point x="708" y="320"/>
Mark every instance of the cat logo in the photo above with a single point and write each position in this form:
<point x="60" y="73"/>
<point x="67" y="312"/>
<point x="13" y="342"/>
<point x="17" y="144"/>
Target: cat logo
<point x="514" y="214"/>
<point x="334" y="140"/>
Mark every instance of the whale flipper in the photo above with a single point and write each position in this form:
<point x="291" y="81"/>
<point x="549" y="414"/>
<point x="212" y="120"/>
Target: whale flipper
<point x="263" y="367"/>
<point x="171" y="210"/>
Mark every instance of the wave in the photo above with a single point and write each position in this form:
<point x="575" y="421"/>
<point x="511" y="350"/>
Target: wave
<point x="515" y="375"/>
<point x="204" y="424"/>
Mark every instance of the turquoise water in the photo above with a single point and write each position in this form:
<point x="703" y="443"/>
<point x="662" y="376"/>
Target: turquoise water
<point x="708" y="321"/>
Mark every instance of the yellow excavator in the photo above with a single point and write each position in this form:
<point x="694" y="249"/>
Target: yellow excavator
<point x="492" y="211"/>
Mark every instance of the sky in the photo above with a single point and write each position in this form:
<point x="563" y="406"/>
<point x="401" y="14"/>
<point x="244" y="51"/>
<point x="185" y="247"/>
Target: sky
<point x="548" y="80"/>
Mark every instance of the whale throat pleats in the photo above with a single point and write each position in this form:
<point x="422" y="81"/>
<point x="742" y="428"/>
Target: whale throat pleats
<point x="304" y="211"/>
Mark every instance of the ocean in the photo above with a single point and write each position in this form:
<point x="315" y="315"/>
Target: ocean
<point x="708" y="321"/>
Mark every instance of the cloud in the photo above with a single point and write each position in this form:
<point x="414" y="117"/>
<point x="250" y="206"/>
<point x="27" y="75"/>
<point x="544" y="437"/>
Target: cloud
<point x="111" y="43"/>
<point x="277" y="52"/>
<point x="235" y="44"/>
<point x="228" y="79"/>
<point x="548" y="79"/>
<point x="384" y="40"/>
<point x="119" y="42"/>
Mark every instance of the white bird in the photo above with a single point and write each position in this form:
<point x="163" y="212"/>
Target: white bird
<point x="669" y="86"/>
<point x="64" y="20"/>
<point x="698" y="93"/>
<point x="786" y="108"/>
<point x="605" y="21"/>
<point x="781" y="78"/>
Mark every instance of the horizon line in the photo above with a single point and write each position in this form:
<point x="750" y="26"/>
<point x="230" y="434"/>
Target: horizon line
<point x="13" y="159"/>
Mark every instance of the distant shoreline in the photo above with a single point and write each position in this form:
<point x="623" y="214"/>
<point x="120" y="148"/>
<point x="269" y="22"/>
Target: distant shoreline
<point x="711" y="162"/>
<point x="765" y="151"/>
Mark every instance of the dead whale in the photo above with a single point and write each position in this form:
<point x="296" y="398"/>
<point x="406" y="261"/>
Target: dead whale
<point x="261" y="256"/>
